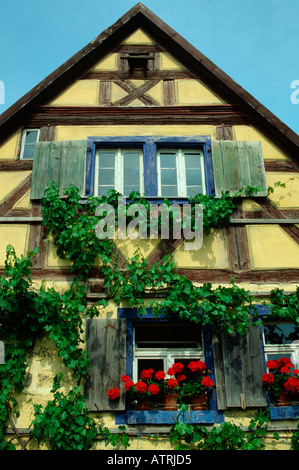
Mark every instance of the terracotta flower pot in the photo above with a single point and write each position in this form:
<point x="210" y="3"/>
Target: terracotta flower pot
<point x="143" y="404"/>
<point x="170" y="401"/>
<point x="199" y="402"/>
<point x="283" y="399"/>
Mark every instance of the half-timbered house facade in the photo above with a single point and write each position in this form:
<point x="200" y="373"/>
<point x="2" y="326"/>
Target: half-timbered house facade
<point x="140" y="109"/>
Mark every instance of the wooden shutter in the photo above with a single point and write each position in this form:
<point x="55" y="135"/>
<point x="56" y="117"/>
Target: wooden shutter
<point x="238" y="370"/>
<point x="237" y="165"/>
<point x="106" y="346"/>
<point x="59" y="161"/>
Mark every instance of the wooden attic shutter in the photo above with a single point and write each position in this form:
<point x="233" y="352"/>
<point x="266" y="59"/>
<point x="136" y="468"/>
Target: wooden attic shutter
<point x="238" y="164"/>
<point x="238" y="370"/>
<point x="106" y="346"/>
<point x="59" y="161"/>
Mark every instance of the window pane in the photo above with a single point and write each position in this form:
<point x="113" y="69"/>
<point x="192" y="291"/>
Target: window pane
<point x="167" y="160"/>
<point x="106" y="160"/>
<point x="106" y="171"/>
<point x="29" y="151"/>
<point x="131" y="177"/>
<point x="169" y="191"/>
<point x="131" y="172"/>
<point x="106" y="177"/>
<point x="132" y="160"/>
<point x="193" y="177"/>
<point x="167" y="336"/>
<point x="193" y="190"/>
<point x="281" y="333"/>
<point x="156" y="364"/>
<point x="103" y="190"/>
<point x="192" y="161"/>
<point x="31" y="137"/>
<point x="168" y="177"/>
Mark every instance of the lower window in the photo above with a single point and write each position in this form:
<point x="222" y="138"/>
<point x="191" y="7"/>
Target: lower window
<point x="281" y="339"/>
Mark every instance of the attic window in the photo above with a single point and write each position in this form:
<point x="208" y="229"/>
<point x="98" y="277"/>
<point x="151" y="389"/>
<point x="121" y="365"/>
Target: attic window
<point x="29" y="139"/>
<point x="139" y="62"/>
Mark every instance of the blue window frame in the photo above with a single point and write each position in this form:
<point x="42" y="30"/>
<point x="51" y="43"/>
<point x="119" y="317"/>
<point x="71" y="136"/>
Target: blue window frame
<point x="156" y="416"/>
<point x="150" y="145"/>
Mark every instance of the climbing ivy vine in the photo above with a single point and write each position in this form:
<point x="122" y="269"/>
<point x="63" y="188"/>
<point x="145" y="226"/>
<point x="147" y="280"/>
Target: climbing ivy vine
<point x="28" y="313"/>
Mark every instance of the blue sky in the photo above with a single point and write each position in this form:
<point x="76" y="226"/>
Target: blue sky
<point x="256" y="42"/>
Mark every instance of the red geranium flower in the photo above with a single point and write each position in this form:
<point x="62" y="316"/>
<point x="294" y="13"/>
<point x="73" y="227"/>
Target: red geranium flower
<point x="292" y="385"/>
<point x="113" y="393"/>
<point x="128" y="385"/>
<point x="285" y="361"/>
<point x="177" y="367"/>
<point x="296" y="371"/>
<point x="181" y="377"/>
<point x="125" y="378"/>
<point x="272" y="364"/>
<point x="171" y="371"/>
<point x="146" y="374"/>
<point x="141" y="387"/>
<point x="285" y="370"/>
<point x="268" y="378"/>
<point x="153" y="389"/>
<point x="197" y="365"/>
<point x="160" y="375"/>
<point x="207" y="382"/>
<point x="172" y="383"/>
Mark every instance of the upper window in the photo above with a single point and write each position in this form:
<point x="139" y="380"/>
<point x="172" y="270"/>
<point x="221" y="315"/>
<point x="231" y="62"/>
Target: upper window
<point x="29" y="139"/>
<point x="180" y="172"/>
<point x="119" y="169"/>
<point x="159" y="167"/>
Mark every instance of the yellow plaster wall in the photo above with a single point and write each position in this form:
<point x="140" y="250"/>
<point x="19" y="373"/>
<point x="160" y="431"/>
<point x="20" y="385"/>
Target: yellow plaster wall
<point x="82" y="92"/>
<point x="128" y="247"/>
<point x="52" y="259"/>
<point x="212" y="254"/>
<point x="117" y="93"/>
<point x="288" y="197"/>
<point x="9" y="149"/>
<point x="109" y="62"/>
<point x="82" y="132"/>
<point x="9" y="181"/>
<point x="270" y="151"/>
<point x="168" y="62"/>
<point x="139" y="37"/>
<point x="24" y="203"/>
<point x="271" y="248"/>
<point x="15" y="235"/>
<point x="193" y="92"/>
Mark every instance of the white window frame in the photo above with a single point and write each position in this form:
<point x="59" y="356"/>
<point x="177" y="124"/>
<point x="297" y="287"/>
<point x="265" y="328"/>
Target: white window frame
<point x="23" y="141"/>
<point x="180" y="169"/>
<point x="168" y="355"/>
<point x="282" y="349"/>
<point x="119" y="169"/>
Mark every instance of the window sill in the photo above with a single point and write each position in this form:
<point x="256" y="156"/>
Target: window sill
<point x="168" y="417"/>
<point x="284" y="412"/>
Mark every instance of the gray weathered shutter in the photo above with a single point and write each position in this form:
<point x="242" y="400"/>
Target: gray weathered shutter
<point x="238" y="370"/>
<point x="106" y="346"/>
<point x="60" y="161"/>
<point x="238" y="164"/>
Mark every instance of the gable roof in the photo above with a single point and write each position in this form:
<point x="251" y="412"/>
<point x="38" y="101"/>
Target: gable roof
<point x="141" y="17"/>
